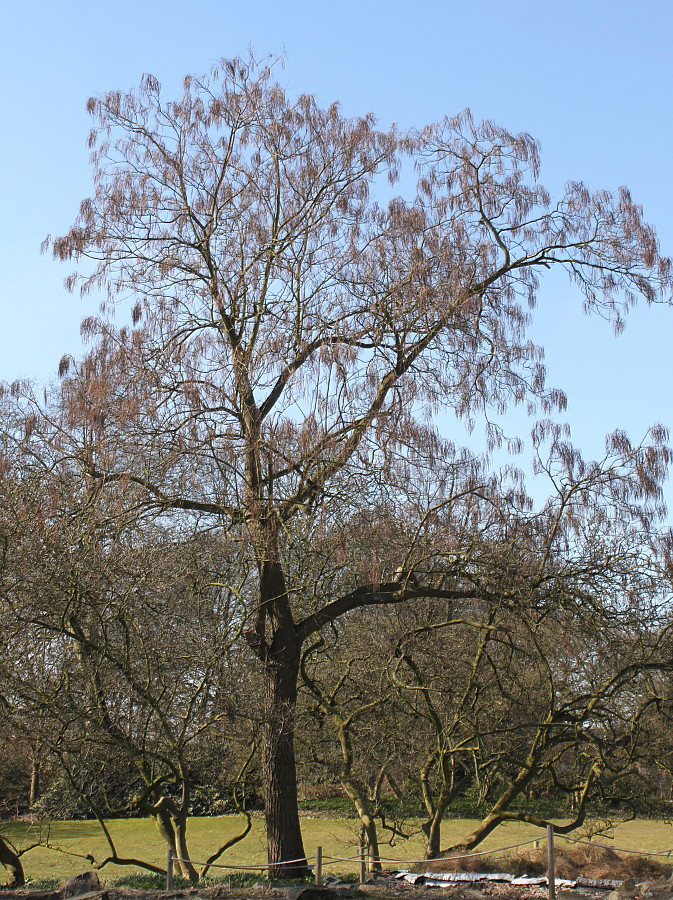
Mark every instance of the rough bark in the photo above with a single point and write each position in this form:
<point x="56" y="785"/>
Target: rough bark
<point x="278" y="646"/>
<point x="285" y="846"/>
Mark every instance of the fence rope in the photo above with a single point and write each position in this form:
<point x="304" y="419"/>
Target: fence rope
<point x="458" y="855"/>
<point x="408" y="862"/>
<point x="617" y="849"/>
<point x="287" y="862"/>
<point x="417" y="862"/>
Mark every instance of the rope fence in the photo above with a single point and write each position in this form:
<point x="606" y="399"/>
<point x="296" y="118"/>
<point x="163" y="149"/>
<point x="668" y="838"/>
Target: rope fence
<point x="321" y="861"/>
<point x="617" y="849"/>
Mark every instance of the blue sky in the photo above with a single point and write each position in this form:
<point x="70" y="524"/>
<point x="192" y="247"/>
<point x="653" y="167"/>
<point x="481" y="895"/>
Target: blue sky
<point x="591" y="80"/>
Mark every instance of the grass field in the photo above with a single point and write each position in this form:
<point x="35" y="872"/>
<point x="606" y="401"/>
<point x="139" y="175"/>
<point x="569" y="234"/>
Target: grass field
<point x="337" y="836"/>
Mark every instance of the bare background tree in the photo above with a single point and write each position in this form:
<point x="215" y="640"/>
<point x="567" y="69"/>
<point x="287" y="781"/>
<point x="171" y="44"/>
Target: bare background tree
<point x="117" y="645"/>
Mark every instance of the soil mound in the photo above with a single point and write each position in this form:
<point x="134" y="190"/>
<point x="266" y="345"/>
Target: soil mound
<point x="572" y="861"/>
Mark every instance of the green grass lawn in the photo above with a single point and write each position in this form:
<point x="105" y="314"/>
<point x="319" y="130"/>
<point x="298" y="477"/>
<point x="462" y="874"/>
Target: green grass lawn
<point x="337" y="836"/>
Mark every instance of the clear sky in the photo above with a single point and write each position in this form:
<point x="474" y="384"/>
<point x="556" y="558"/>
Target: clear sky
<point x="591" y="80"/>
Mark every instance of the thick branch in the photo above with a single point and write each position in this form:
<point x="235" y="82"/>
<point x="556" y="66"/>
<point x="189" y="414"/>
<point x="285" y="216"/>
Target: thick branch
<point x="375" y="595"/>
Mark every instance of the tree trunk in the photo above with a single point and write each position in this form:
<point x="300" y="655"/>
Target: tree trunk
<point x="369" y="831"/>
<point x="433" y="834"/>
<point x="187" y="867"/>
<point x="285" y="846"/>
<point x="500" y="813"/>
<point x="173" y="829"/>
<point x="497" y="813"/>
<point x="371" y="841"/>
<point x="12" y="863"/>
<point x="358" y="797"/>
<point x="394" y="786"/>
<point x="280" y="666"/>
<point x="432" y="827"/>
<point x="34" y="793"/>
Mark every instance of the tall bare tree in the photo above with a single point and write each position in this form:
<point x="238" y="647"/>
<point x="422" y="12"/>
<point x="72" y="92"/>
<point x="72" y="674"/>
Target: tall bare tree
<point x="290" y="332"/>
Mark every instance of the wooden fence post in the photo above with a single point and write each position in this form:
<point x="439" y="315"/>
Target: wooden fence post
<point x="318" y="865"/>
<point x="169" y="870"/>
<point x="551" y="863"/>
<point x="363" y="870"/>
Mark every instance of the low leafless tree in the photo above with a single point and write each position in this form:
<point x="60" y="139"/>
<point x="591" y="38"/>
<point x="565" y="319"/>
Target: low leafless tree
<point x="118" y="645"/>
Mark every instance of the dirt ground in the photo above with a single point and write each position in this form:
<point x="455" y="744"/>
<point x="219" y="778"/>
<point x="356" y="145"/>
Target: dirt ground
<point x="388" y="890"/>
